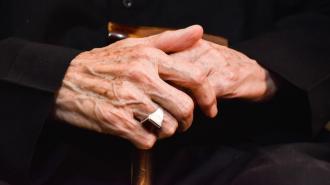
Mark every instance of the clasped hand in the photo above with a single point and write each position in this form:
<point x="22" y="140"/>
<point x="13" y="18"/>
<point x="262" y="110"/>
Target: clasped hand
<point x="111" y="89"/>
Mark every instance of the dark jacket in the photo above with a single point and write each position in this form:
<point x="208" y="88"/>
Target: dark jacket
<point x="38" y="39"/>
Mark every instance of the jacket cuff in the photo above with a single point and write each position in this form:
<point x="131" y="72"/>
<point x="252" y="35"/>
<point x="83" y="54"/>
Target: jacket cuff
<point x="297" y="57"/>
<point x="39" y="66"/>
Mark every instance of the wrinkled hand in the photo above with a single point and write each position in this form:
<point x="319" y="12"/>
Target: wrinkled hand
<point x="111" y="89"/>
<point x="231" y="73"/>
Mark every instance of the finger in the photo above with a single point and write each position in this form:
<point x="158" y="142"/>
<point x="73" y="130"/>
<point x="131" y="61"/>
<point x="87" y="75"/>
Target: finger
<point x="182" y="73"/>
<point x="178" y="40"/>
<point x="169" y="124"/>
<point x="129" y="96"/>
<point x="190" y="76"/>
<point x="176" y="102"/>
<point x="206" y="99"/>
<point x="140" y="137"/>
<point x="121" y="122"/>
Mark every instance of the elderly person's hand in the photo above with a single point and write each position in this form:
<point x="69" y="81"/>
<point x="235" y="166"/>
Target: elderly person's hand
<point x="111" y="89"/>
<point x="231" y="73"/>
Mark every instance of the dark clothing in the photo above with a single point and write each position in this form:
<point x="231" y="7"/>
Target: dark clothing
<point x="288" y="37"/>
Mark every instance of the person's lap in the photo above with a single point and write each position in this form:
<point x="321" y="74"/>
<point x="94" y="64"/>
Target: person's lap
<point x="301" y="163"/>
<point x="86" y="158"/>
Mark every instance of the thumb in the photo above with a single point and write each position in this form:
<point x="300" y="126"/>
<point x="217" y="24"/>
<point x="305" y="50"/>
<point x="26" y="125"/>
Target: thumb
<point x="177" y="40"/>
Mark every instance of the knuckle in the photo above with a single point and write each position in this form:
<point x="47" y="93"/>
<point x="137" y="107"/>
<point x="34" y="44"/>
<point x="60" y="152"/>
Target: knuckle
<point x="187" y="108"/>
<point x="231" y="76"/>
<point x="142" y="75"/>
<point x="170" y="130"/>
<point x="142" y="51"/>
<point x="147" y="142"/>
<point x="198" y="77"/>
<point x="138" y="67"/>
<point x="208" y="102"/>
<point x="253" y="61"/>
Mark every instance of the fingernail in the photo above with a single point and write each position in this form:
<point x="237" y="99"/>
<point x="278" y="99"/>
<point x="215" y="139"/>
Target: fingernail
<point x="213" y="110"/>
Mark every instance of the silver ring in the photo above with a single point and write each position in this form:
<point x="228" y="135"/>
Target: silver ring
<point x="156" y="118"/>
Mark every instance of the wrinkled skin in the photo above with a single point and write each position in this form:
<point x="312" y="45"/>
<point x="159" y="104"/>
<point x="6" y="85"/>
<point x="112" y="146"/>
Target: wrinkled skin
<point x="111" y="89"/>
<point x="230" y="73"/>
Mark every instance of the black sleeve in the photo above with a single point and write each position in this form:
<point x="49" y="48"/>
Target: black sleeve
<point x="3" y="183"/>
<point x="30" y="74"/>
<point x="298" y="50"/>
